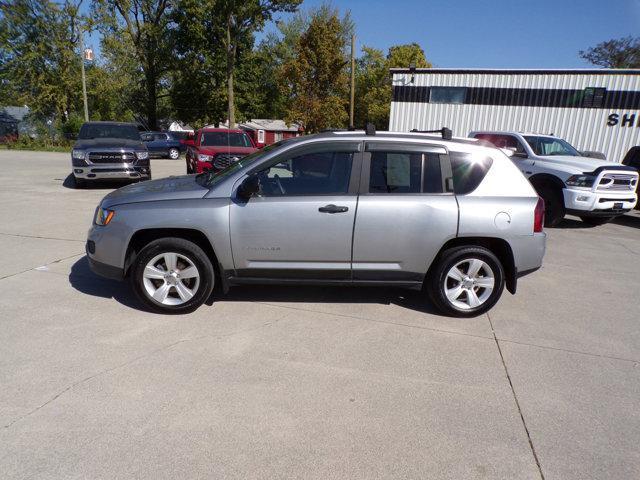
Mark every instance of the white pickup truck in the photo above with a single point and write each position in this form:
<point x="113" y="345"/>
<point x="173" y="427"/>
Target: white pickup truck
<point x="593" y="189"/>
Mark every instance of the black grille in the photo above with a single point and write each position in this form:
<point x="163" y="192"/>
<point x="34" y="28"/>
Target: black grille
<point x="223" y="160"/>
<point x="111" y="157"/>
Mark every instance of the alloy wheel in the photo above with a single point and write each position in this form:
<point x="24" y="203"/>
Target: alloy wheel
<point x="469" y="283"/>
<point x="171" y="278"/>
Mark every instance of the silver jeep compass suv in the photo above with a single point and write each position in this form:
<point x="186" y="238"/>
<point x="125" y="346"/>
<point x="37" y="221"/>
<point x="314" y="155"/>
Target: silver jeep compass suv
<point x="454" y="217"/>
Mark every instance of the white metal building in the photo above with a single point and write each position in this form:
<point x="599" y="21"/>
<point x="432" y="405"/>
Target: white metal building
<point x="595" y="110"/>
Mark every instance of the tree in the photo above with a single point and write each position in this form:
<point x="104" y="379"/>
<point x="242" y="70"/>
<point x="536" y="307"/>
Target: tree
<point x="198" y="72"/>
<point x="40" y="64"/>
<point x="316" y="80"/>
<point x="241" y="19"/>
<point x="142" y="28"/>
<point x="373" y="81"/>
<point x="616" y="53"/>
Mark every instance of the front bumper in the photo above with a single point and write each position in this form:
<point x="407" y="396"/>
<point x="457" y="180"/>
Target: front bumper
<point x="598" y="203"/>
<point x="105" y="270"/>
<point x="112" y="172"/>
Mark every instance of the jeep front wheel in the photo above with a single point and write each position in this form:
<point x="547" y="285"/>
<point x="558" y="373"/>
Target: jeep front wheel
<point x="172" y="275"/>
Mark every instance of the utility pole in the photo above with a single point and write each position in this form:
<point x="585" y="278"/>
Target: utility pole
<point x="353" y="80"/>
<point x="84" y="80"/>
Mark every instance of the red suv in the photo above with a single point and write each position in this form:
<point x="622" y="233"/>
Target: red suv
<point x="217" y="148"/>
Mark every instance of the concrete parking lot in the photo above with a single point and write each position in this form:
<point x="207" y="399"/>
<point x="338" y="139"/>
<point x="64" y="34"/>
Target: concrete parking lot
<point x="283" y="382"/>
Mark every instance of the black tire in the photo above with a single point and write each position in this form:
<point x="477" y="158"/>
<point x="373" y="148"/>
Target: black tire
<point x="554" y="210"/>
<point x="438" y="280"/>
<point x="185" y="249"/>
<point x="79" y="182"/>
<point x="596" y="221"/>
<point x="189" y="171"/>
<point x="174" y="153"/>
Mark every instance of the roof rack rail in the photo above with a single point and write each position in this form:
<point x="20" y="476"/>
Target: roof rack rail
<point x="446" y="133"/>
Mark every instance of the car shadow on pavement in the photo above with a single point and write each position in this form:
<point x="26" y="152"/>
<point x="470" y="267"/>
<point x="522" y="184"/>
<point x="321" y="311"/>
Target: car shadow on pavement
<point x="70" y="183"/>
<point x="410" y="299"/>
<point x="85" y="281"/>
<point x="632" y="221"/>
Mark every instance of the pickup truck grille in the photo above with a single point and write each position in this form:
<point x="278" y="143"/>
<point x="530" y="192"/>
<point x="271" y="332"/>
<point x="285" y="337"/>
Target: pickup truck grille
<point x="111" y="157"/>
<point x="617" y="182"/>
<point x="223" y="160"/>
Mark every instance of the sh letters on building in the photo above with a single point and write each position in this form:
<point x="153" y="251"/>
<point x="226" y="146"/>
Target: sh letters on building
<point x="594" y="110"/>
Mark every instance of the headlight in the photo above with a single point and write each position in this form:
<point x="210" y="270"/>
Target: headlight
<point x="142" y="155"/>
<point x="580" y="181"/>
<point x="103" y="216"/>
<point x="78" y="154"/>
<point x="204" y="158"/>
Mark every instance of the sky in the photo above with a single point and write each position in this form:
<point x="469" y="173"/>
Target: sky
<point x="487" y="34"/>
<point x="493" y="34"/>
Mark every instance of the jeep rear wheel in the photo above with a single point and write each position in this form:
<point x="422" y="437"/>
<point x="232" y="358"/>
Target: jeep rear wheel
<point x="174" y="153"/>
<point x="466" y="281"/>
<point x="172" y="275"/>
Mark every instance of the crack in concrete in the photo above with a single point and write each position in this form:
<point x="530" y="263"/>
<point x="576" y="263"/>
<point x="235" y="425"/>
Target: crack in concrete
<point x="130" y="362"/>
<point x="439" y="330"/>
<point x="40" y="238"/>
<point x="45" y="265"/>
<point x="515" y="398"/>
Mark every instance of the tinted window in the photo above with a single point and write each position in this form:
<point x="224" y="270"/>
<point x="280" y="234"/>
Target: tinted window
<point x="401" y="172"/>
<point x="231" y="139"/>
<point x="502" y="141"/>
<point x="468" y="171"/>
<point x="159" y="136"/>
<point x="447" y="94"/>
<point x="106" y="130"/>
<point x="318" y="173"/>
<point x="146" y="137"/>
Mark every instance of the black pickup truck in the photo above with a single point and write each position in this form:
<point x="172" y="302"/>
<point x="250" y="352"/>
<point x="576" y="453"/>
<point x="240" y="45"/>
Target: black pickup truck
<point x="109" y="151"/>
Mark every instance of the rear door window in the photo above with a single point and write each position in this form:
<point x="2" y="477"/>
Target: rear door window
<point x="405" y="172"/>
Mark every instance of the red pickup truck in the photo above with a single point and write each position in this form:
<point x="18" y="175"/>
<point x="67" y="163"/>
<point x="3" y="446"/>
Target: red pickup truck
<point x="217" y="148"/>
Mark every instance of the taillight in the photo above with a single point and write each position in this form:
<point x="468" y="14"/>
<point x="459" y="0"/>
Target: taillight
<point x="538" y="216"/>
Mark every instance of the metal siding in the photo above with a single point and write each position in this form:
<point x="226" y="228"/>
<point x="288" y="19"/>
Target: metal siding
<point x="585" y="128"/>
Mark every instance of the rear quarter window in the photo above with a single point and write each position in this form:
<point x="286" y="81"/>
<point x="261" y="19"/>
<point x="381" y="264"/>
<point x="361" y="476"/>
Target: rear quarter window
<point x="468" y="171"/>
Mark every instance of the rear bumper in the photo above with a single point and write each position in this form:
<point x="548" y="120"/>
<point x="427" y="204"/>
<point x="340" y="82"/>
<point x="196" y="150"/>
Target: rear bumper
<point x="586" y="202"/>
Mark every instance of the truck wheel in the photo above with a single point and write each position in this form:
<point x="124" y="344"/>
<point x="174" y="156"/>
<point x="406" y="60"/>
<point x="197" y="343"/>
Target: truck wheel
<point x="174" y="153"/>
<point x="595" y="221"/>
<point x="172" y="275"/>
<point x="466" y="281"/>
<point x="553" y="205"/>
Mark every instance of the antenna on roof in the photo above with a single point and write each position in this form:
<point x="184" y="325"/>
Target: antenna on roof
<point x="446" y="133"/>
<point x="370" y="129"/>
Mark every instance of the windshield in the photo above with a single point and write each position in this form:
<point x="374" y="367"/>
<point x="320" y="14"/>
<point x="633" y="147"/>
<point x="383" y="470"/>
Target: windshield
<point x="213" y="139"/>
<point x="551" y="146"/>
<point x="210" y="178"/>
<point x="88" y="132"/>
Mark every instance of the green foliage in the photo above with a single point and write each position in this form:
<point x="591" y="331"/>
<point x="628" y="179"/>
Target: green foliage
<point x="139" y="29"/>
<point x="616" y="53"/>
<point x="315" y="78"/>
<point x="40" y="64"/>
<point x="373" y="81"/>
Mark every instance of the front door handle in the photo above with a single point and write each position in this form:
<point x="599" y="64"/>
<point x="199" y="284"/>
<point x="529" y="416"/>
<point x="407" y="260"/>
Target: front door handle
<point x="333" y="209"/>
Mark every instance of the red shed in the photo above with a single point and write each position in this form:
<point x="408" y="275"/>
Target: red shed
<point x="265" y="131"/>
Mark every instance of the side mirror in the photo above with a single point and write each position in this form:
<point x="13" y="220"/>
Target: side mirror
<point x="249" y="187"/>
<point x="520" y="155"/>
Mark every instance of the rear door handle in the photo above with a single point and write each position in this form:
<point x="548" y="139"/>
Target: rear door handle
<point x="333" y="209"/>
